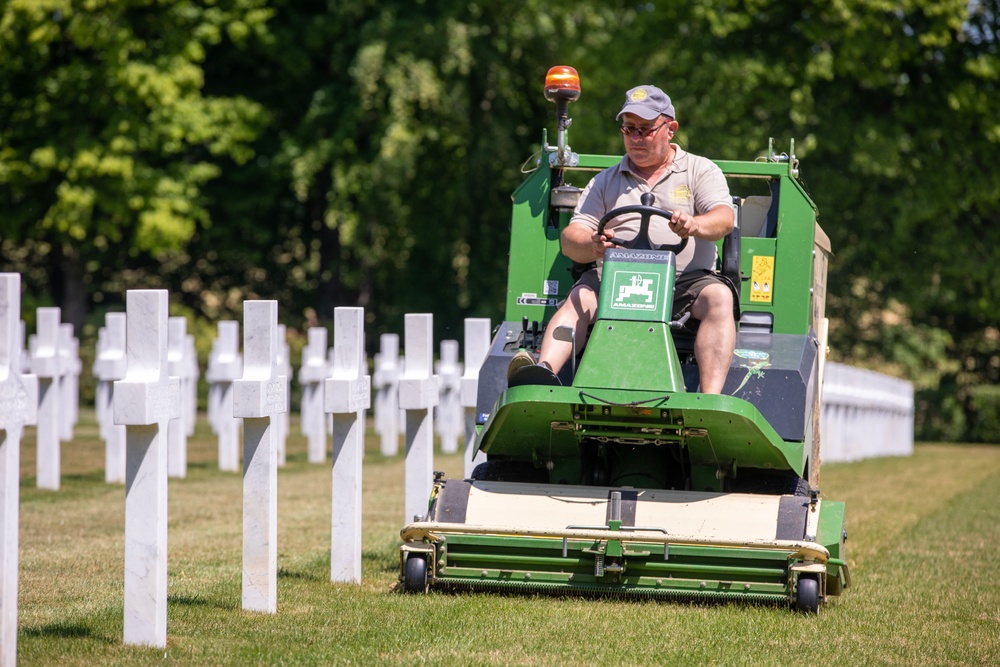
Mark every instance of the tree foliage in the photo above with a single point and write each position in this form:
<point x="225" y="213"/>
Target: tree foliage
<point x="106" y="137"/>
<point x="355" y="152"/>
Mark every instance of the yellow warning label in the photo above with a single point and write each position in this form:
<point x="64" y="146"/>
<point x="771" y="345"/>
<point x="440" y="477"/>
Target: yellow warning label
<point x="761" y="278"/>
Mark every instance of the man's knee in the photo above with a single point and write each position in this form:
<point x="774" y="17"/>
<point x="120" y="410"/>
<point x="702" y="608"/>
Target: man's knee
<point x="715" y="300"/>
<point x="582" y="303"/>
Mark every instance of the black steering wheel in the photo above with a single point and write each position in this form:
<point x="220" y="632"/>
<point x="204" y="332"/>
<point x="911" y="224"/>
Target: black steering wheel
<point x="646" y="210"/>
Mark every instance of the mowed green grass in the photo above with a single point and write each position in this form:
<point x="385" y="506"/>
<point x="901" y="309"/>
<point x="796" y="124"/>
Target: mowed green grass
<point x="923" y="548"/>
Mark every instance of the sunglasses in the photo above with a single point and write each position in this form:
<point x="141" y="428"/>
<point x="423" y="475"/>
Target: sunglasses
<point x="640" y="132"/>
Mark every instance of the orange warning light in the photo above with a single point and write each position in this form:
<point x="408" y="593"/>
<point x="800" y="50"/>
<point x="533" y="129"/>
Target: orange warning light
<point x="562" y="84"/>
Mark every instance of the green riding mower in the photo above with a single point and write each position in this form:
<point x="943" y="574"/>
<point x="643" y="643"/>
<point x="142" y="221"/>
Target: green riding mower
<point x="619" y="477"/>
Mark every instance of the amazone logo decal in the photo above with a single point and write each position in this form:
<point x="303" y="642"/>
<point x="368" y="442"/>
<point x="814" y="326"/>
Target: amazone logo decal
<point x="636" y="290"/>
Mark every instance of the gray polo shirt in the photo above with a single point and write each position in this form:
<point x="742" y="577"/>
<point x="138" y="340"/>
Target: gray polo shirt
<point x="694" y="185"/>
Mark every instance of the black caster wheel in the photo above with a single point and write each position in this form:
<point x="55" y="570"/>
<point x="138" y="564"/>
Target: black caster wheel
<point x="415" y="575"/>
<point x="807" y="594"/>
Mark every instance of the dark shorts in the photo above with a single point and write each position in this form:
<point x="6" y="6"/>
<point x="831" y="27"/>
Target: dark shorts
<point x="687" y="287"/>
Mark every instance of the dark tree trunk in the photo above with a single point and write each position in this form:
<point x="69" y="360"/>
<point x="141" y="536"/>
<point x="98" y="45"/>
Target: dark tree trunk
<point x="69" y="290"/>
<point x="328" y="281"/>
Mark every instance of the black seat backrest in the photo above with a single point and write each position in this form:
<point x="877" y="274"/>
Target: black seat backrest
<point x="731" y="248"/>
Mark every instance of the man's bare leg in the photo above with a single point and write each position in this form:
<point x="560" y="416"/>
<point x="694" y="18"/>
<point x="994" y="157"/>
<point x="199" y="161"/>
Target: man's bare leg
<point x="578" y="311"/>
<point x="716" y="339"/>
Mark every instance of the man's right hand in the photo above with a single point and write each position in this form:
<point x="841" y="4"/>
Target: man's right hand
<point x="602" y="242"/>
<point x="581" y="243"/>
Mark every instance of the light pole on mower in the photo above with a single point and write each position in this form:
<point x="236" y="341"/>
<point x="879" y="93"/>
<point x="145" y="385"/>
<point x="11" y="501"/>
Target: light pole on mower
<point x="562" y="86"/>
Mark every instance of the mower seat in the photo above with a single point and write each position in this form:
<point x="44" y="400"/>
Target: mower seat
<point x="730" y="259"/>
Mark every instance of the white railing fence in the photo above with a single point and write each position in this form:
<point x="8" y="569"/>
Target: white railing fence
<point x="865" y="414"/>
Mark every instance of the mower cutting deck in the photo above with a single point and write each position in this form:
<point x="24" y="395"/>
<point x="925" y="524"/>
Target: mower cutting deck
<point x="618" y="477"/>
<point x="576" y="539"/>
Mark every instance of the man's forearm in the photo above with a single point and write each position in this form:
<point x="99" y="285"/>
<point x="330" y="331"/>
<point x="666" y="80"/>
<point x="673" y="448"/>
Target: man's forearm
<point x="577" y="243"/>
<point x="715" y="224"/>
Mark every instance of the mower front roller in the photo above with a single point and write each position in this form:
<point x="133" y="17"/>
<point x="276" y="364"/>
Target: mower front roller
<point x="622" y="561"/>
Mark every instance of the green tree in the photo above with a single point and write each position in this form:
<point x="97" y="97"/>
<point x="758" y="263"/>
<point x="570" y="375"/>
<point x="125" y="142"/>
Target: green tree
<point x="106" y="140"/>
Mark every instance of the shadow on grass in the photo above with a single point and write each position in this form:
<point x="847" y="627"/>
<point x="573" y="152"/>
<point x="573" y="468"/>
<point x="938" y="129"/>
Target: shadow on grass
<point x="302" y="575"/>
<point x="191" y="601"/>
<point x="66" y="630"/>
<point x="95" y="477"/>
<point x="210" y="466"/>
<point x="203" y="602"/>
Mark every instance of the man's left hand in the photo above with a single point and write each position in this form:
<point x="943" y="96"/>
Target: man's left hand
<point x="684" y="225"/>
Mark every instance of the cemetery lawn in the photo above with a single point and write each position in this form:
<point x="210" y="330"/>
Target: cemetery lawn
<point x="924" y="549"/>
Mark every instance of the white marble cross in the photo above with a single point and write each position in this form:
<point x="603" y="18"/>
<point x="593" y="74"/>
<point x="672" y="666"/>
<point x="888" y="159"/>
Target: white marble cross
<point x="347" y="395"/>
<point x="225" y="365"/>
<point x="47" y="365"/>
<point x="109" y="366"/>
<point x="477" y="346"/>
<point x="191" y="372"/>
<point x="258" y="397"/>
<point x="69" y="382"/>
<point x="284" y="368"/>
<point x="100" y="386"/>
<point x="387" y="393"/>
<point x="18" y="406"/>
<point x="177" y="366"/>
<point x="448" y="413"/>
<point x="25" y="356"/>
<point x="311" y="375"/>
<point x="145" y="402"/>
<point x="417" y="396"/>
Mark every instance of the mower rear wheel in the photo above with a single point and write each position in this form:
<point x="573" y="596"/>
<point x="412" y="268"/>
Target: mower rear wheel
<point x="807" y="594"/>
<point x="415" y="574"/>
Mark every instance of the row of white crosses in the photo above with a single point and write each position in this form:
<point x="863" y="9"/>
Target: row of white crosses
<point x="109" y="366"/>
<point x="420" y="392"/>
<point x="149" y="398"/>
<point x="146" y="401"/>
<point x="416" y="392"/>
<point x="53" y="362"/>
<point x="260" y="396"/>
<point x="142" y="387"/>
<point x="457" y="386"/>
<point x="225" y="366"/>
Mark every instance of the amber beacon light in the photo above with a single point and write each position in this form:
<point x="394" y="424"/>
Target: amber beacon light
<point x="562" y="84"/>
